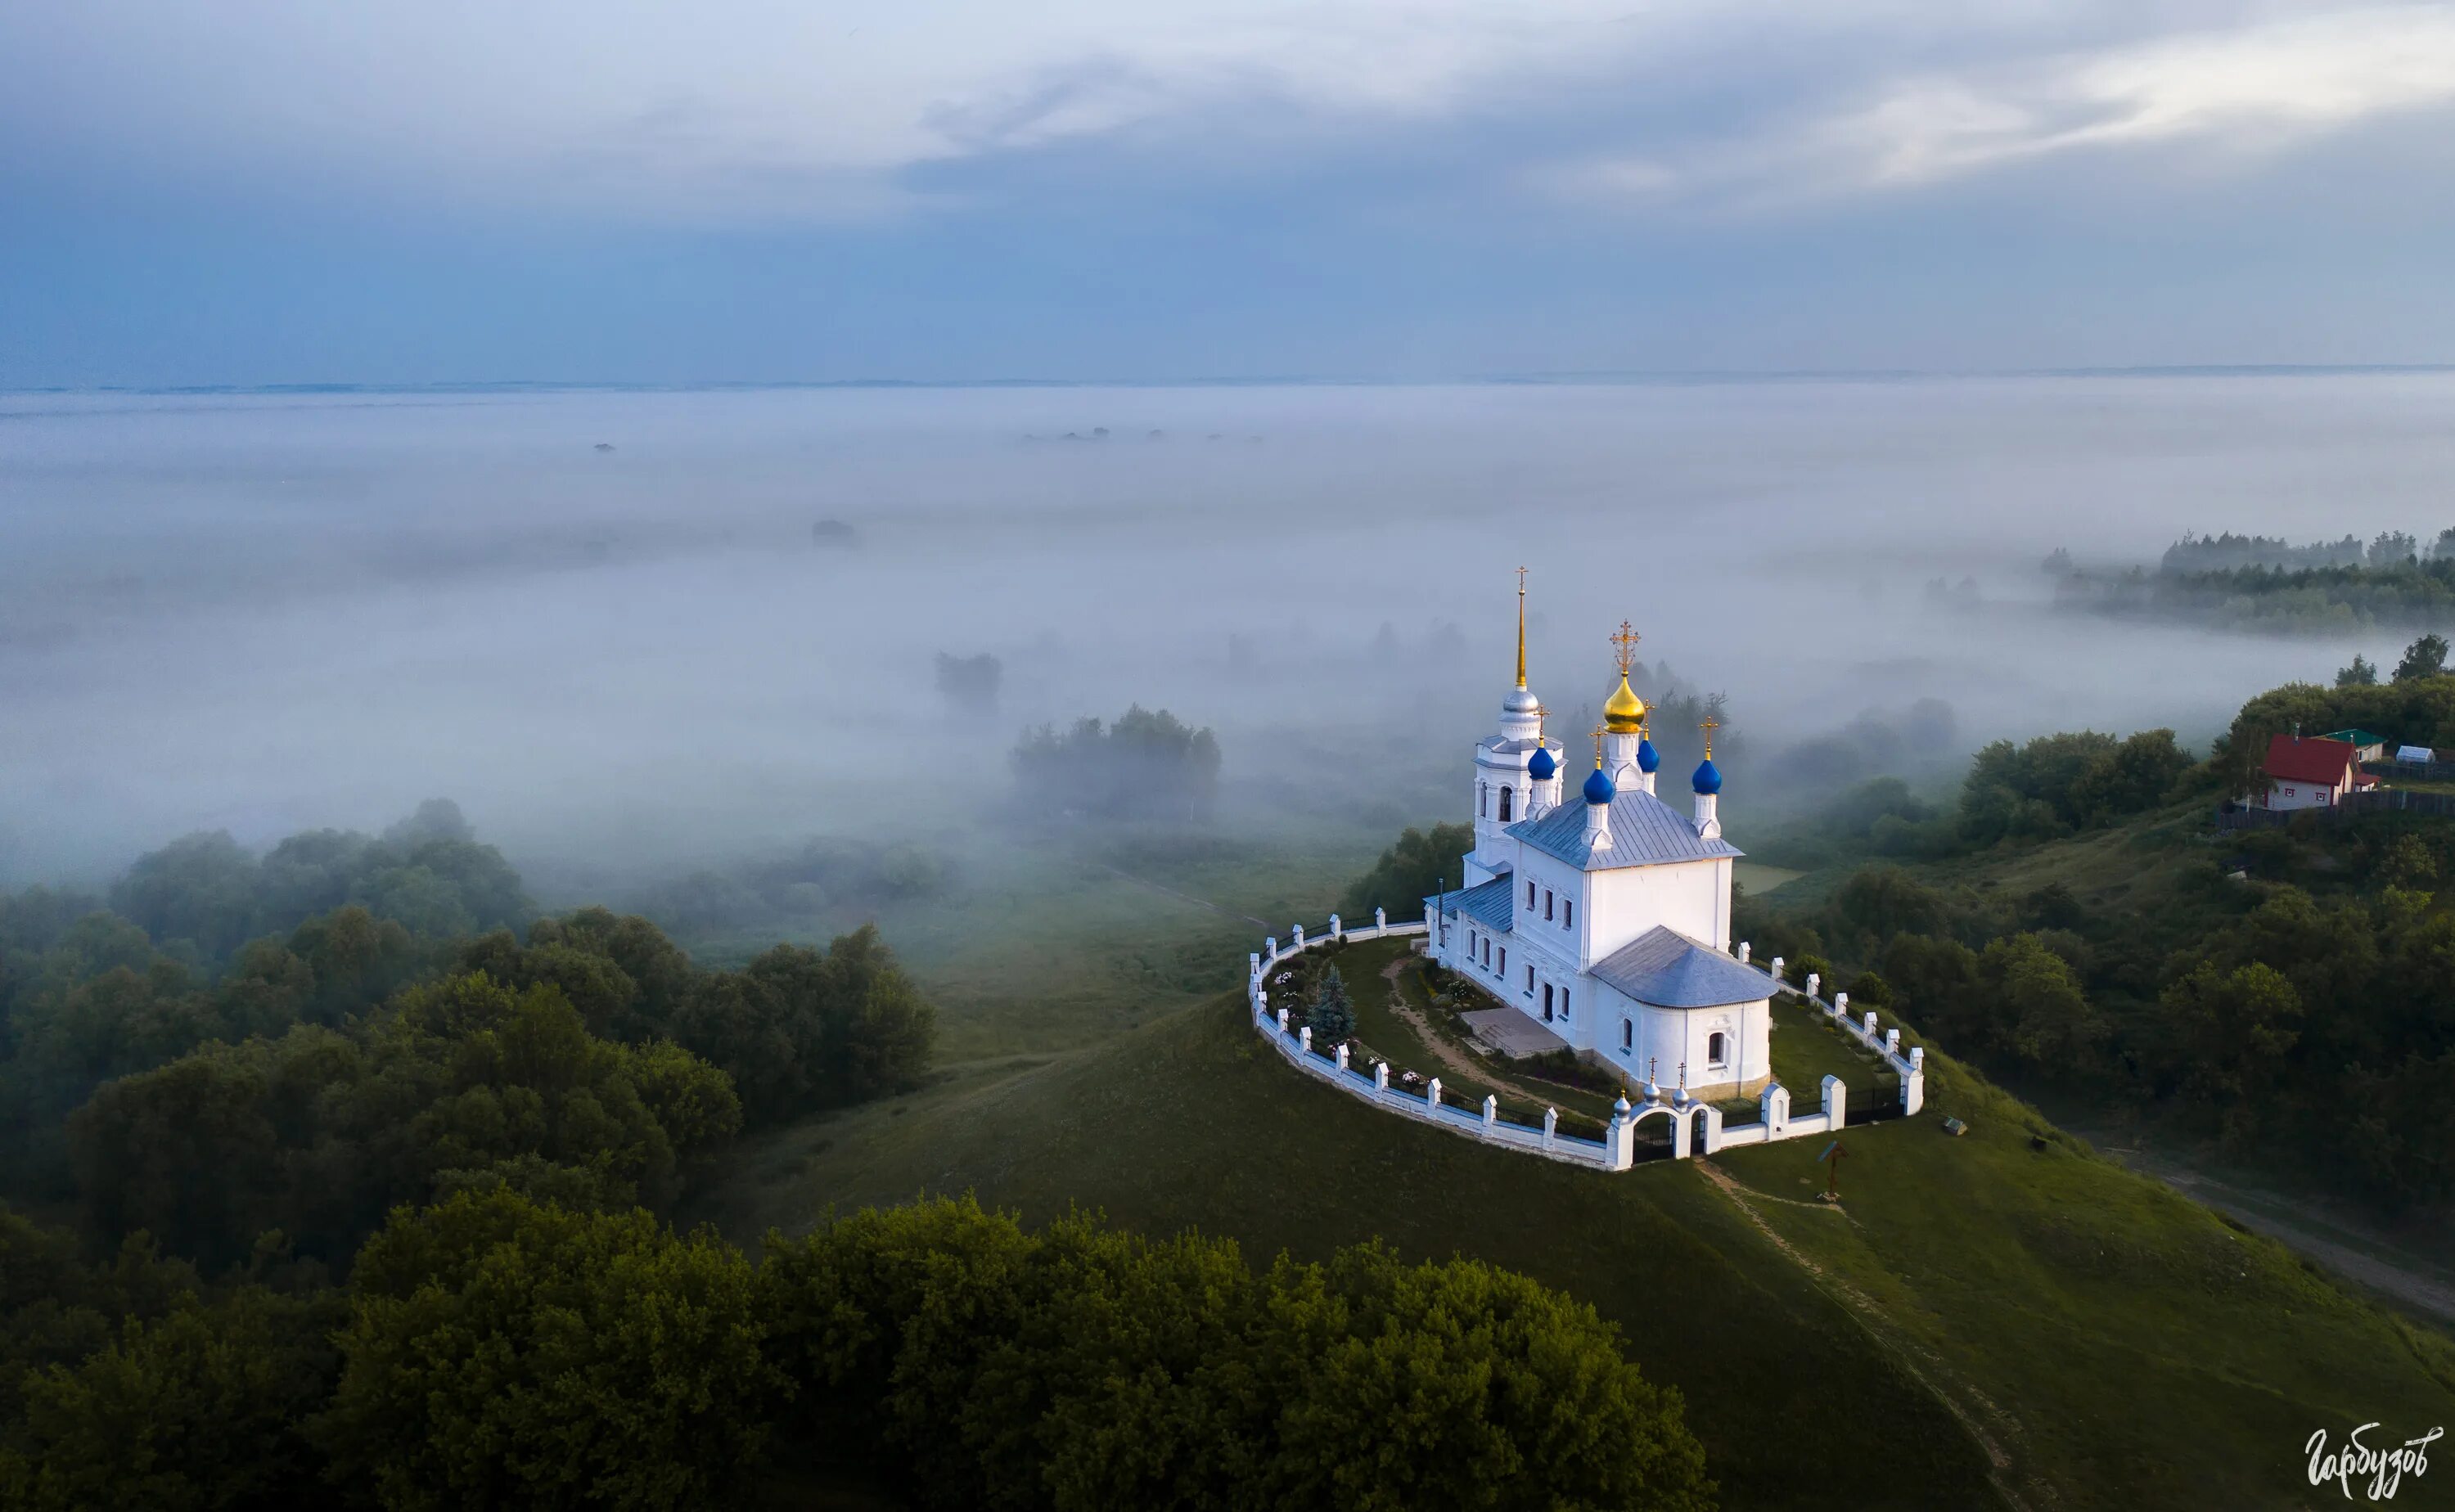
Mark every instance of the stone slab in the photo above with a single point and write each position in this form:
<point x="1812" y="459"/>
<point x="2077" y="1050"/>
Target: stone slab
<point x="1513" y="1034"/>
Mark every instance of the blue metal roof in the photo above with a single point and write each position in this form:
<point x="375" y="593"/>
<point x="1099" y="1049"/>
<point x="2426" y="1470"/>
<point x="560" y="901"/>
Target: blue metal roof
<point x="1491" y="904"/>
<point x="1667" y="969"/>
<point x="1644" y="829"/>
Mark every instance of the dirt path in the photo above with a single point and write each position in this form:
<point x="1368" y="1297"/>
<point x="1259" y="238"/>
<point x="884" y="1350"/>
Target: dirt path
<point x="1448" y="1055"/>
<point x="1931" y="1371"/>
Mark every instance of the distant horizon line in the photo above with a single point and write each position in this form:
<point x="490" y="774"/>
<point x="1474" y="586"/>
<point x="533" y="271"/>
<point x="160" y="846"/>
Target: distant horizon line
<point x="1566" y="378"/>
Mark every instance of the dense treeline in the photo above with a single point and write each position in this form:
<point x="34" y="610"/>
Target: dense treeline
<point x="2047" y="787"/>
<point x="2286" y="994"/>
<point x="495" y="1351"/>
<point x="2264" y="583"/>
<point x="210" y="1090"/>
<point x="1145" y="766"/>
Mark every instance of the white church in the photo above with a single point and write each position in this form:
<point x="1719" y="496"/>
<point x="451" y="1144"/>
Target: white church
<point x="1605" y="915"/>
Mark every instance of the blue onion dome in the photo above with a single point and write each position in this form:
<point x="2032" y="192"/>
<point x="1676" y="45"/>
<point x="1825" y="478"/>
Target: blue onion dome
<point x="1541" y="768"/>
<point x="1648" y="758"/>
<point x="1707" y="778"/>
<point x="1599" y="788"/>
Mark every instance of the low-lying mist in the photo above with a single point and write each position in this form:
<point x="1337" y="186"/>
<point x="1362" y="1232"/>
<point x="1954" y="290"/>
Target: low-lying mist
<point x="633" y="630"/>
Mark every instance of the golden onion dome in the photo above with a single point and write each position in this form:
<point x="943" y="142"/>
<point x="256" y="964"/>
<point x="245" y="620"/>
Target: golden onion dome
<point x="1625" y="711"/>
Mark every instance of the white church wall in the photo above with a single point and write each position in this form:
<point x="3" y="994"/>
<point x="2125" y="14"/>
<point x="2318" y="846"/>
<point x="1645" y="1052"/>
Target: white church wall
<point x="1690" y="897"/>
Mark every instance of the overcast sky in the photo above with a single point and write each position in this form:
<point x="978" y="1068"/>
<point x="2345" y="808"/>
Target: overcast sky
<point x="291" y="190"/>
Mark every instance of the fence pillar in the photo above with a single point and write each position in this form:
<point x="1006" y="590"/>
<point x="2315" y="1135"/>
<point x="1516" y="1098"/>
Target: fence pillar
<point x="1743" y="952"/>
<point x="1836" y="1105"/>
<point x="1892" y="1041"/>
<point x="1775" y="968"/>
<point x="1551" y="1125"/>
<point x="1773" y="1106"/>
<point x="1380" y="918"/>
<point x="1303" y="1039"/>
<point x="1432" y="1096"/>
<point x="1914" y="1091"/>
<point x="1490" y="1111"/>
<point x="1620" y="1140"/>
<point x="1841" y="1003"/>
<point x="1270" y="948"/>
<point x="1342" y="1056"/>
<point x="1815" y="978"/>
<point x="1917" y="1057"/>
<point x="1871" y="1023"/>
<point x="1380" y="1075"/>
<point x="1299" y="936"/>
<point x="1336" y="931"/>
<point x="1283" y="1020"/>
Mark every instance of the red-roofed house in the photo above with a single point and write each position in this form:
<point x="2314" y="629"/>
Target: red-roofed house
<point x="2312" y="774"/>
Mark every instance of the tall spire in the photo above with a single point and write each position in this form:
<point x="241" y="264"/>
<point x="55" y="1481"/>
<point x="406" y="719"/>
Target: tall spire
<point x="1521" y="627"/>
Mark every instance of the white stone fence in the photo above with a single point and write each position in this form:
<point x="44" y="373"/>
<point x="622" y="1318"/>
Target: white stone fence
<point x="1695" y="1128"/>
<point x="1911" y="1063"/>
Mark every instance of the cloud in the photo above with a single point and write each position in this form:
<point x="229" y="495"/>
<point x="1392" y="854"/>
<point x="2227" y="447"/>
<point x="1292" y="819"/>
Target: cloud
<point x="2234" y="93"/>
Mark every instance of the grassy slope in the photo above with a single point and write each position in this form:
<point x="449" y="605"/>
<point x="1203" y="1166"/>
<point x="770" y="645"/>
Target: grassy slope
<point x="1194" y="1122"/>
<point x="2112" y="1343"/>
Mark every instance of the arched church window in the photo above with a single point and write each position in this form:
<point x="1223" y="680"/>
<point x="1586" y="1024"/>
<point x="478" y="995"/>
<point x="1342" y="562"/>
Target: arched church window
<point x="1504" y="803"/>
<point x="1717" y="1048"/>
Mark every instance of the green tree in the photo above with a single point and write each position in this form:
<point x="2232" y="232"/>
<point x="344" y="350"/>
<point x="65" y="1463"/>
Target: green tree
<point x="1086" y="1368"/>
<point x="204" y="1408"/>
<point x="2039" y="1014"/>
<point x="2424" y="658"/>
<point x="2237" y="1027"/>
<point x="1332" y="1014"/>
<point x="503" y="1353"/>
<point x="1409" y="871"/>
<point x="798" y="1031"/>
<point x="2362" y="674"/>
<point x="1458" y="1384"/>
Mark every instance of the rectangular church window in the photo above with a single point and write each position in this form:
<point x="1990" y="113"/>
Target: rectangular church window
<point x="1546" y="902"/>
<point x="1567" y="913"/>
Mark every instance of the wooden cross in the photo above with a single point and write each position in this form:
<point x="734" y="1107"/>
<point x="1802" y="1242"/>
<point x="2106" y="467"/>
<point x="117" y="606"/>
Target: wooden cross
<point x="1832" y="1159"/>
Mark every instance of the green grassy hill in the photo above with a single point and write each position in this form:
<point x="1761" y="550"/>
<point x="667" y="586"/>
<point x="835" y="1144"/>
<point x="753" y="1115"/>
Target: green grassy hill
<point x="1982" y="1323"/>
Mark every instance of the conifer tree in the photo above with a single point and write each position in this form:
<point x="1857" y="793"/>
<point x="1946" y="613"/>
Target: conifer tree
<point x="1332" y="1015"/>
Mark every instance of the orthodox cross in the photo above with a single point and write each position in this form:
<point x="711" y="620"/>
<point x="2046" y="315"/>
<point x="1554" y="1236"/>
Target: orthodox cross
<point x="1626" y="640"/>
<point x="1709" y="724"/>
